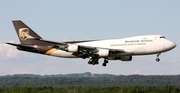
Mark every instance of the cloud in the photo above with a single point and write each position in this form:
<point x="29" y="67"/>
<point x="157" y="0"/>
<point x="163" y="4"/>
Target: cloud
<point x="7" y="51"/>
<point x="136" y="72"/>
<point x="20" y="71"/>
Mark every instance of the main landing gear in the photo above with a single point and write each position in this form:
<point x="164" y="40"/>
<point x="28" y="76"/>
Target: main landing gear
<point x="105" y="62"/>
<point x="158" y="59"/>
<point x="94" y="61"/>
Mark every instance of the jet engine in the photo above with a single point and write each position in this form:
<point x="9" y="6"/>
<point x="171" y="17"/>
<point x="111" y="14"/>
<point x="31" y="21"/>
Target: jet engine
<point x="103" y="52"/>
<point x="68" y="48"/>
<point x="72" y="48"/>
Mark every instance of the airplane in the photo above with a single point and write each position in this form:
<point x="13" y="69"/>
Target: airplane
<point x="111" y="49"/>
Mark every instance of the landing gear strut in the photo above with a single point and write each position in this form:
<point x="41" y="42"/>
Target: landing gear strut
<point x="105" y="62"/>
<point x="157" y="59"/>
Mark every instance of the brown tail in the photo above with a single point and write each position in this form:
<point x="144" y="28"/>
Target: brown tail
<point x="21" y="30"/>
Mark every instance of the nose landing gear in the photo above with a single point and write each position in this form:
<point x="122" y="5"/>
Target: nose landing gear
<point x="158" y="59"/>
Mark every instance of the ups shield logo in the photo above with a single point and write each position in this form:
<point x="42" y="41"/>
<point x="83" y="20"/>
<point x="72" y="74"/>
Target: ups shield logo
<point x="22" y="33"/>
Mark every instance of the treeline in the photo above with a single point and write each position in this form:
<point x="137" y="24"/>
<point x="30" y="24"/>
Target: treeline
<point x="131" y="89"/>
<point x="110" y="81"/>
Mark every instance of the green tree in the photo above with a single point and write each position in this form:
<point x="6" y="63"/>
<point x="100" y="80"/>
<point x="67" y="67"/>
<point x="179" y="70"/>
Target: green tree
<point x="25" y="90"/>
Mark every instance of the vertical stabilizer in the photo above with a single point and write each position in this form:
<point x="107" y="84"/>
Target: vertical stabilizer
<point x="22" y="29"/>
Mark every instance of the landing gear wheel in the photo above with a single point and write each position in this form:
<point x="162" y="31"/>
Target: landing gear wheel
<point x="157" y="59"/>
<point x="104" y="64"/>
<point x="93" y="63"/>
<point x="106" y="61"/>
<point x="89" y="62"/>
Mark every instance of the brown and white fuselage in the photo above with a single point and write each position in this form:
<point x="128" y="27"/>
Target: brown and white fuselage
<point x="111" y="49"/>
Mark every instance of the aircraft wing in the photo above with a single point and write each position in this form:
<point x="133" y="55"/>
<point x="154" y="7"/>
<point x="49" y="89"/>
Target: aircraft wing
<point x="82" y="51"/>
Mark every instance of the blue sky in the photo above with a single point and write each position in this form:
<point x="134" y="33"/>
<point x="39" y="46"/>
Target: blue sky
<point x="64" y="20"/>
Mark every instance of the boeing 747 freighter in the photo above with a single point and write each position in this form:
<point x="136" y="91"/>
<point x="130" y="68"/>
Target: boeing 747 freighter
<point x="111" y="49"/>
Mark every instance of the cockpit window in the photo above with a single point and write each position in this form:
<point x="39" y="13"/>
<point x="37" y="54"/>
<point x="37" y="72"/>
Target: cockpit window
<point x="162" y="37"/>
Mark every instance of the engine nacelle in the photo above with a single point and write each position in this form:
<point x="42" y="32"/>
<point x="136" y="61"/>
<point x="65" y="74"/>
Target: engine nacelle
<point x="126" y="58"/>
<point x="73" y="48"/>
<point x="103" y="53"/>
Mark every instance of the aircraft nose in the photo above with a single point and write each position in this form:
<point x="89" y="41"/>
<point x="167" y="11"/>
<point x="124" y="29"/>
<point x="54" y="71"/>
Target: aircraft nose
<point x="170" y="45"/>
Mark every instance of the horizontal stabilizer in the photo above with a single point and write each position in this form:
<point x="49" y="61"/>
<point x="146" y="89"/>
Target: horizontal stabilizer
<point x="21" y="46"/>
